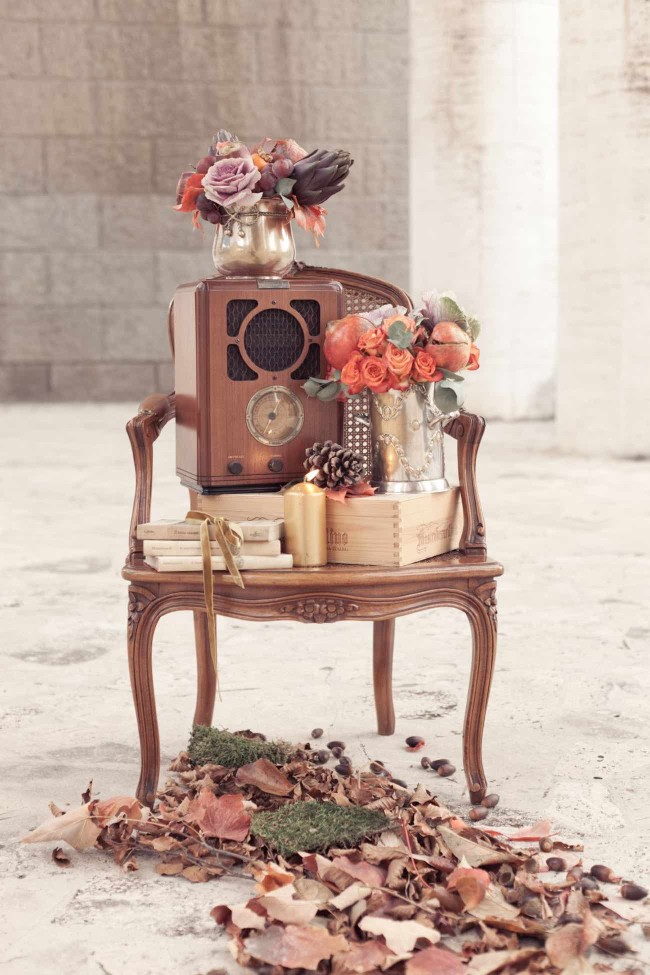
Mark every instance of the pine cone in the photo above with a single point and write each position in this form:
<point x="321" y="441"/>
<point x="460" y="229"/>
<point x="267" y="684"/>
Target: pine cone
<point x="320" y="175"/>
<point x="337" y="466"/>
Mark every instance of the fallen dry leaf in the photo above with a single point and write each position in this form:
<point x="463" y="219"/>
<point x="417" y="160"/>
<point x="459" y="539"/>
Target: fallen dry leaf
<point x="400" y="936"/>
<point x="269" y="876"/>
<point x="75" y="827"/>
<point x="170" y="869"/>
<point x="355" y="892"/>
<point x="264" y="775"/>
<point x="312" y="890"/>
<point x="571" y="941"/>
<point x="223" y="817"/>
<point x="281" y="906"/>
<point x="364" y="956"/>
<point x="196" y="874"/>
<point x="60" y="858"/>
<point x="494" y="905"/>
<point x="295" y="946"/>
<point x="494" y="961"/>
<point x="475" y="854"/>
<point x="434" y="961"/>
<point x="471" y="883"/>
<point x="360" y="870"/>
<point x="105" y="810"/>
<point x="533" y="833"/>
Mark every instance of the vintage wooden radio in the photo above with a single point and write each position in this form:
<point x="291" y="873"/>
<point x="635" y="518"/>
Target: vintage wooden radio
<point x="243" y="348"/>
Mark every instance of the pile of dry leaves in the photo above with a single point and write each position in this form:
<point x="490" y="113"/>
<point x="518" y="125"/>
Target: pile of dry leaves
<point x="429" y="893"/>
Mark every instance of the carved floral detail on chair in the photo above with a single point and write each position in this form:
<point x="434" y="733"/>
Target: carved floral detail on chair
<point x="320" y="610"/>
<point x="487" y="593"/>
<point x="138" y="602"/>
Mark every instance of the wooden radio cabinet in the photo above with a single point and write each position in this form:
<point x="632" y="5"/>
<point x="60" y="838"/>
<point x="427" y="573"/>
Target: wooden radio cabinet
<point x="243" y="349"/>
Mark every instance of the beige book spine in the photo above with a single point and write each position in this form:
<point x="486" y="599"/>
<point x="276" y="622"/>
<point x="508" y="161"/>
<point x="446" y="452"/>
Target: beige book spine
<point x="254" y="530"/>
<point x="191" y="547"/>
<point x="194" y="563"/>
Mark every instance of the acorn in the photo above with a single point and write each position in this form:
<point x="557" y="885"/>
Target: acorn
<point x="343" y="769"/>
<point x="317" y="733"/>
<point x="321" y="757"/>
<point x="588" y="883"/>
<point x="506" y="875"/>
<point x="336" y="744"/>
<point x="531" y="865"/>
<point x="336" y="751"/>
<point x="377" y="768"/>
<point x="400" y="782"/>
<point x="603" y="873"/>
<point x="425" y="762"/>
<point x="477" y="813"/>
<point x="575" y="874"/>
<point x="490" y="801"/>
<point x="633" y="892"/>
<point x="438" y="762"/>
<point x="557" y="864"/>
<point x="546" y="844"/>
<point x="445" y="770"/>
<point x="414" y="743"/>
<point x="612" y="944"/>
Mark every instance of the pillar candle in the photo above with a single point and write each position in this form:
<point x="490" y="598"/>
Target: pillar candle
<point x="305" y="535"/>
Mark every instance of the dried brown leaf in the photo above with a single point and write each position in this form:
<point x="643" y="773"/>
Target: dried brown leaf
<point x="75" y="827"/>
<point x="364" y="956"/>
<point x="476" y="854"/>
<point x="400" y="936"/>
<point x="281" y="905"/>
<point x="434" y="961"/>
<point x="365" y="872"/>
<point x="294" y="946"/>
<point x="494" y="961"/>
<point x="170" y="869"/>
<point x="106" y="810"/>
<point x="264" y="775"/>
<point x="223" y="817"/>
<point x="471" y="883"/>
<point x="60" y="858"/>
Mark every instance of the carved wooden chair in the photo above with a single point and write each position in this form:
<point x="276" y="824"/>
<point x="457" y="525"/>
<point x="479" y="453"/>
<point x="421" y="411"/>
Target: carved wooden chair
<point x="464" y="579"/>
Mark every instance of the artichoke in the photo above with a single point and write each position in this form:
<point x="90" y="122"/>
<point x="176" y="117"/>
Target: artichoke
<point x="320" y="175"/>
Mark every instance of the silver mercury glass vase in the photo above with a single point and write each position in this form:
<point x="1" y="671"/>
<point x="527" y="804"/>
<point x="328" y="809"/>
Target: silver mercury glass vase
<point x="407" y="441"/>
<point x="255" y="240"/>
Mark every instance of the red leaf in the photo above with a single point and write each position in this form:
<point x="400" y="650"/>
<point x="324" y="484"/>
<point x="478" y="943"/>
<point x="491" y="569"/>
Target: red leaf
<point x="264" y="775"/>
<point x="294" y="946"/>
<point x="358" y="490"/>
<point x="224" y="817"/>
<point x="105" y="810"/>
<point x="470" y="883"/>
<point x="434" y="961"/>
<point x="535" y="832"/>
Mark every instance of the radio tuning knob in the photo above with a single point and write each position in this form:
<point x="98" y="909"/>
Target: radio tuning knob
<point x="235" y="467"/>
<point x="276" y="465"/>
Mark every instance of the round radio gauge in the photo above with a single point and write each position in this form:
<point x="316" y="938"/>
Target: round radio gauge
<point x="274" y="415"/>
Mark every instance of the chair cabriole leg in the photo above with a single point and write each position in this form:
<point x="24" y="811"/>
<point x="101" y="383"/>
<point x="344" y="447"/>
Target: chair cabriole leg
<point x="140" y="641"/>
<point x="483" y="622"/>
<point x="206" y="681"/>
<point x="382" y="650"/>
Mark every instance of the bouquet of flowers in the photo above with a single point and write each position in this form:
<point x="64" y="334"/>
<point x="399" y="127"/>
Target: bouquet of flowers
<point x="390" y="348"/>
<point x="233" y="177"/>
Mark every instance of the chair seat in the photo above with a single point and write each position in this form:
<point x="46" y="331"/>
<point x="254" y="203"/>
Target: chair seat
<point x="452" y="565"/>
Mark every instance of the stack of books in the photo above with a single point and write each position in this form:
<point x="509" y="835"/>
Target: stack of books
<point x="175" y="546"/>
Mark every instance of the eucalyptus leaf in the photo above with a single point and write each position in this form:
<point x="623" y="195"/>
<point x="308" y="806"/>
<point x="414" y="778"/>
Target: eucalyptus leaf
<point x="450" y="311"/>
<point x="287" y="202"/>
<point x="312" y="386"/>
<point x="329" y="392"/>
<point x="473" y="327"/>
<point x="284" y="186"/>
<point x="400" y="335"/>
<point x="448" y="394"/>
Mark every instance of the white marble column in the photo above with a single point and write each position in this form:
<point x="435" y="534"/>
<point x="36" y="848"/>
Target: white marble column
<point x="604" y="352"/>
<point x="483" y="189"/>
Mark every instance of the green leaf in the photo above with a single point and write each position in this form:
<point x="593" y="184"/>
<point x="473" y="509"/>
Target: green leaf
<point x="400" y="335"/>
<point x="448" y="394"/>
<point x="284" y="186"/>
<point x="473" y="327"/>
<point x="312" y="386"/>
<point x="450" y="311"/>
<point x="328" y="392"/>
<point x="287" y="202"/>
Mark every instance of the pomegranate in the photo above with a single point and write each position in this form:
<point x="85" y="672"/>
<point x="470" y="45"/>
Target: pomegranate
<point x="450" y="346"/>
<point x="341" y="338"/>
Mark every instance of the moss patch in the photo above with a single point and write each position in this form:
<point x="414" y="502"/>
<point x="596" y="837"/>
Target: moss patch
<point x="215" y="747"/>
<point x="316" y="826"/>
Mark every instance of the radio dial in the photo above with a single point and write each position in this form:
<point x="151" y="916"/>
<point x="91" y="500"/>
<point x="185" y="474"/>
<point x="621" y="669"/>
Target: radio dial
<point x="276" y="465"/>
<point x="235" y="467"/>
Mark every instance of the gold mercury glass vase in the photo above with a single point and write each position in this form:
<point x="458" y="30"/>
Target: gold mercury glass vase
<point x="407" y="441"/>
<point x="255" y="240"/>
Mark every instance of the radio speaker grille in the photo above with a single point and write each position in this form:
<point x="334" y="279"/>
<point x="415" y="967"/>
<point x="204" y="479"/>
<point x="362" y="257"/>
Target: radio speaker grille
<point x="238" y="370"/>
<point x="310" y="366"/>
<point x="236" y="312"/>
<point x="310" y="311"/>
<point x="274" y="339"/>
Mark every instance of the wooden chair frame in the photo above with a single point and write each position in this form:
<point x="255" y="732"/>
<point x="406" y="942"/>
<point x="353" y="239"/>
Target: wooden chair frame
<point x="464" y="579"/>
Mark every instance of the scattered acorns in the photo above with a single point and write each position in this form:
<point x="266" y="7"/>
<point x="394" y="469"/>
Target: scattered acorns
<point x="317" y="733"/>
<point x="414" y="743"/>
<point x="477" y="813"/>
<point x="633" y="892"/>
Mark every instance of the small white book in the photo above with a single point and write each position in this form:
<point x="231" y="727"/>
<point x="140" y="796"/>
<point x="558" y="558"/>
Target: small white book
<point x="194" y="563"/>
<point x="254" y="530"/>
<point x="183" y="546"/>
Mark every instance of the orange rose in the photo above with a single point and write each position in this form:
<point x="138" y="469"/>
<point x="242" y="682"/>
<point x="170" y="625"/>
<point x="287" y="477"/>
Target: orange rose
<point x="410" y="324"/>
<point x="425" y="369"/>
<point x="474" y="354"/>
<point x="373" y="342"/>
<point x="375" y="374"/>
<point x="351" y="374"/>
<point x="399" y="361"/>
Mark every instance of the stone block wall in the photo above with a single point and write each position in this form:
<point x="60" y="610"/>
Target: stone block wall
<point x="104" y="102"/>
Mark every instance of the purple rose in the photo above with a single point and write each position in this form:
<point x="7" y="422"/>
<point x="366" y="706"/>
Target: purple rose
<point x="230" y="181"/>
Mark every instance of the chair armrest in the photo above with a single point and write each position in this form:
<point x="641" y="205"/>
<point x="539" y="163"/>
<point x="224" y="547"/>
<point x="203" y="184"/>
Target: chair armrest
<point x="467" y="429"/>
<point x="143" y="430"/>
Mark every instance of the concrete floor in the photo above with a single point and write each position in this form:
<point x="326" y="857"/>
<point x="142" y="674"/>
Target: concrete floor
<point x="567" y="735"/>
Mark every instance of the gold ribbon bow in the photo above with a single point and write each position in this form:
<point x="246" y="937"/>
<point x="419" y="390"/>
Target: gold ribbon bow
<point x="229" y="538"/>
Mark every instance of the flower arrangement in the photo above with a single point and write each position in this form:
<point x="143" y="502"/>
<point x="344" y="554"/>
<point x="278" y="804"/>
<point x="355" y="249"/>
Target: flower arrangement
<point x="390" y="348"/>
<point x="233" y="177"/>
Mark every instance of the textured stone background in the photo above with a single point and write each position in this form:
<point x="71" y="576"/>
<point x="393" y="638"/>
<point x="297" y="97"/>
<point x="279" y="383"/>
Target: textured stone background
<point x="104" y="102"/>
